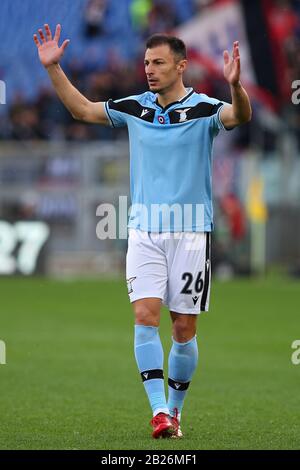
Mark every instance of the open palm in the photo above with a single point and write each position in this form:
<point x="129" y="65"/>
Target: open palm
<point x="232" y="66"/>
<point x="49" y="51"/>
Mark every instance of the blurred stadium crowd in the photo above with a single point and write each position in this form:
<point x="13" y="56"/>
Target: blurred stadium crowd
<point x="106" y="62"/>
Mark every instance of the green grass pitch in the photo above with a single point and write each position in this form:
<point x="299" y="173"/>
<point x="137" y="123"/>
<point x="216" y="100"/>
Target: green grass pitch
<point x="71" y="381"/>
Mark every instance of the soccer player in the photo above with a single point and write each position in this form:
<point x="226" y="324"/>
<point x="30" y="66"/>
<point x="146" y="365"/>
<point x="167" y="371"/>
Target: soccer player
<point x="171" y="131"/>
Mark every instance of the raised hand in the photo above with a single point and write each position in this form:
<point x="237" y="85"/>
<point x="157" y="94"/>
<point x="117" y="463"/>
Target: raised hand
<point x="49" y="51"/>
<point x="232" y="66"/>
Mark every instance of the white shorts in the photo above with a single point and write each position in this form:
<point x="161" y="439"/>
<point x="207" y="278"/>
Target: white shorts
<point x="174" y="267"/>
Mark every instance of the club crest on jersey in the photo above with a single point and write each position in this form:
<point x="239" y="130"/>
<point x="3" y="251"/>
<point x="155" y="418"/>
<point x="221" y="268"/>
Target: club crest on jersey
<point x="129" y="284"/>
<point x="183" y="115"/>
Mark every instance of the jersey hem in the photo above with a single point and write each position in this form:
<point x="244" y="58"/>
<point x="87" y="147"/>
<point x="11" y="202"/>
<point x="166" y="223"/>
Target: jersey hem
<point x="206" y="228"/>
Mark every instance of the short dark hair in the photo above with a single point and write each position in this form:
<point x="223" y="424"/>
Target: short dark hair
<point x="176" y="45"/>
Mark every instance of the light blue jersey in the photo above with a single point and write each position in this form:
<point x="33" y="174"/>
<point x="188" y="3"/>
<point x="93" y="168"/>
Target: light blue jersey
<point x="170" y="160"/>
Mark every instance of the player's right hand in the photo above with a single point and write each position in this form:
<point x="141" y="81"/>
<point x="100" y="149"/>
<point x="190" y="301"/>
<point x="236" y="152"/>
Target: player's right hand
<point x="49" y="51"/>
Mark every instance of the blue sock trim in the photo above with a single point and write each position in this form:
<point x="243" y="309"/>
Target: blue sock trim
<point x="143" y="333"/>
<point x="184" y="344"/>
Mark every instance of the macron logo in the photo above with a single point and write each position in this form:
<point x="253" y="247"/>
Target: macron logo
<point x="145" y="111"/>
<point x="177" y="386"/>
<point x="146" y="375"/>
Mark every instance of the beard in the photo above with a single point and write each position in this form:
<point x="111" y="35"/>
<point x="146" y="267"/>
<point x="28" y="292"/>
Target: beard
<point x="155" y="88"/>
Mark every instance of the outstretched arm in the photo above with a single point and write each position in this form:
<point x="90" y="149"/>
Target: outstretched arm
<point x="50" y="54"/>
<point x="239" y="111"/>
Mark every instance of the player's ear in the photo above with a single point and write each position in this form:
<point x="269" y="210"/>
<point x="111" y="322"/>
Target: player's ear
<point x="181" y="65"/>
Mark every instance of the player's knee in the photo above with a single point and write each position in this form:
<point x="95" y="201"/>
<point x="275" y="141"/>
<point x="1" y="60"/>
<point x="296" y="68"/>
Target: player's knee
<point x="183" y="330"/>
<point x="145" y="316"/>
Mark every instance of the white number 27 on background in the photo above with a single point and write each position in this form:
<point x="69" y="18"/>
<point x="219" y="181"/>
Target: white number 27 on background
<point x="31" y="236"/>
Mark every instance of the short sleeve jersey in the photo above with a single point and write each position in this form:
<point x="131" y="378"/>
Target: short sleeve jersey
<point x="170" y="159"/>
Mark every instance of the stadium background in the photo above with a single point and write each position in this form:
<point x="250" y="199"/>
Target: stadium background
<point x="64" y="316"/>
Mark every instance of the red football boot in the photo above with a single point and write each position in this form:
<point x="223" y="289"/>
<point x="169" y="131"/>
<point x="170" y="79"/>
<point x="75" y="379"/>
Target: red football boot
<point x="177" y="433"/>
<point x="163" y="426"/>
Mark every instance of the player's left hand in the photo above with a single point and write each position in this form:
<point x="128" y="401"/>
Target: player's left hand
<point x="232" y="66"/>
